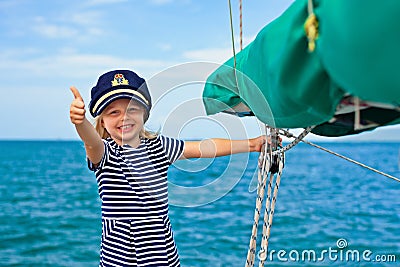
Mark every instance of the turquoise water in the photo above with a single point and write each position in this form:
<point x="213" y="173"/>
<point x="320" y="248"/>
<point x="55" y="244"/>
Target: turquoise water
<point x="50" y="210"/>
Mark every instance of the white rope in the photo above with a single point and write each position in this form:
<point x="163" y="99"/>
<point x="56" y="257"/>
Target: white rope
<point x="310" y="7"/>
<point x="272" y="155"/>
<point x="269" y="214"/>
<point x="300" y="139"/>
<point x="262" y="179"/>
<point x="233" y="44"/>
<point x="264" y="174"/>
<point x="352" y="161"/>
<point x="357" y="114"/>
<point x="232" y="34"/>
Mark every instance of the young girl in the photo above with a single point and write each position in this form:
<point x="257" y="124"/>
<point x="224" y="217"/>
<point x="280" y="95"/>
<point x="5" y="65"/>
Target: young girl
<point x="131" y="169"/>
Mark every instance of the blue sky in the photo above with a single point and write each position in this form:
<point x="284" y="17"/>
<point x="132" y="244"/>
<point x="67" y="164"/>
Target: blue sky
<point x="47" y="46"/>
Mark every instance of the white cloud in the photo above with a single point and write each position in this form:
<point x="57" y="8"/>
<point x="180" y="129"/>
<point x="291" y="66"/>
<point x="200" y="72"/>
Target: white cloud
<point x="68" y="65"/>
<point x="103" y="2"/>
<point x="164" y="46"/>
<point x="161" y="2"/>
<point x="214" y="55"/>
<point x="6" y="4"/>
<point x="166" y="2"/>
<point x="79" y="26"/>
<point x="84" y="18"/>
<point x="219" y="55"/>
<point x="42" y="27"/>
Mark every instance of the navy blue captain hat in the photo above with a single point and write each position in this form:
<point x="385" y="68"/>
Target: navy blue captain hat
<point x="118" y="84"/>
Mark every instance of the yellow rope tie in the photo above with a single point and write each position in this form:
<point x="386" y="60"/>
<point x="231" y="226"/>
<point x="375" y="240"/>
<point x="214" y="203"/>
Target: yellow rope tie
<point x="311" y="29"/>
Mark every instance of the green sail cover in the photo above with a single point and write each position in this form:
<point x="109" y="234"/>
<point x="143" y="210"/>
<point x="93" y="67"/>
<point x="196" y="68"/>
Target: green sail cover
<point x="357" y="53"/>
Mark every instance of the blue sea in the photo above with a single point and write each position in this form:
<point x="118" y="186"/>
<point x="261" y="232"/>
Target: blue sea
<point x="328" y="211"/>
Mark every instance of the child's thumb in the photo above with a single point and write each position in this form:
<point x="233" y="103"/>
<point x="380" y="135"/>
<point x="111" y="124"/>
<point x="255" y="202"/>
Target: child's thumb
<point x="76" y="93"/>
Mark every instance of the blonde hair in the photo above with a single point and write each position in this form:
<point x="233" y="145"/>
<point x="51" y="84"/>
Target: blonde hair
<point x="104" y="134"/>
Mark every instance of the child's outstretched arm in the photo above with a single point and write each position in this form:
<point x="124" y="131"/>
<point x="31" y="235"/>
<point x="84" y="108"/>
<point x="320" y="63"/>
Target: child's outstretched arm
<point x="216" y="147"/>
<point x="93" y="144"/>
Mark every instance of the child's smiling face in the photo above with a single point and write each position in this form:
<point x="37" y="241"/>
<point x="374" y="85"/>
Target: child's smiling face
<point x="124" y="120"/>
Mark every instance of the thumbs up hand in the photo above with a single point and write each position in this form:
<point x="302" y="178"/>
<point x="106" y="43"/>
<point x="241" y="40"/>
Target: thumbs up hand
<point x="77" y="110"/>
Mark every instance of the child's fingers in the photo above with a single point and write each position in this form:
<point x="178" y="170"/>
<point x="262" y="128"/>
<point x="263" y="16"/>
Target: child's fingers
<point x="78" y="103"/>
<point x="76" y="93"/>
<point x="77" y="115"/>
<point x="78" y="108"/>
<point x="77" y="119"/>
<point x="78" y="100"/>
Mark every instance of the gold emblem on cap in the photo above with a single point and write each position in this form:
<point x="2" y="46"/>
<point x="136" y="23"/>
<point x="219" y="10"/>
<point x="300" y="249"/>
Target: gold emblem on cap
<point x="119" y="79"/>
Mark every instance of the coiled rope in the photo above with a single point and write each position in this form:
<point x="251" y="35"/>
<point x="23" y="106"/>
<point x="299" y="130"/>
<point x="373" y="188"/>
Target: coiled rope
<point x="273" y="158"/>
<point x="271" y="171"/>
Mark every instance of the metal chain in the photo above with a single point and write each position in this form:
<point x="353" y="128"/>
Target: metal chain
<point x="297" y="140"/>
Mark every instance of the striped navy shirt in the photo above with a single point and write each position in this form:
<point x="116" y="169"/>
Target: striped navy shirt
<point x="132" y="184"/>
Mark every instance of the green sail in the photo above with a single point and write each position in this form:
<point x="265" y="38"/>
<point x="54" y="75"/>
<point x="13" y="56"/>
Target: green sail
<point x="286" y="86"/>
